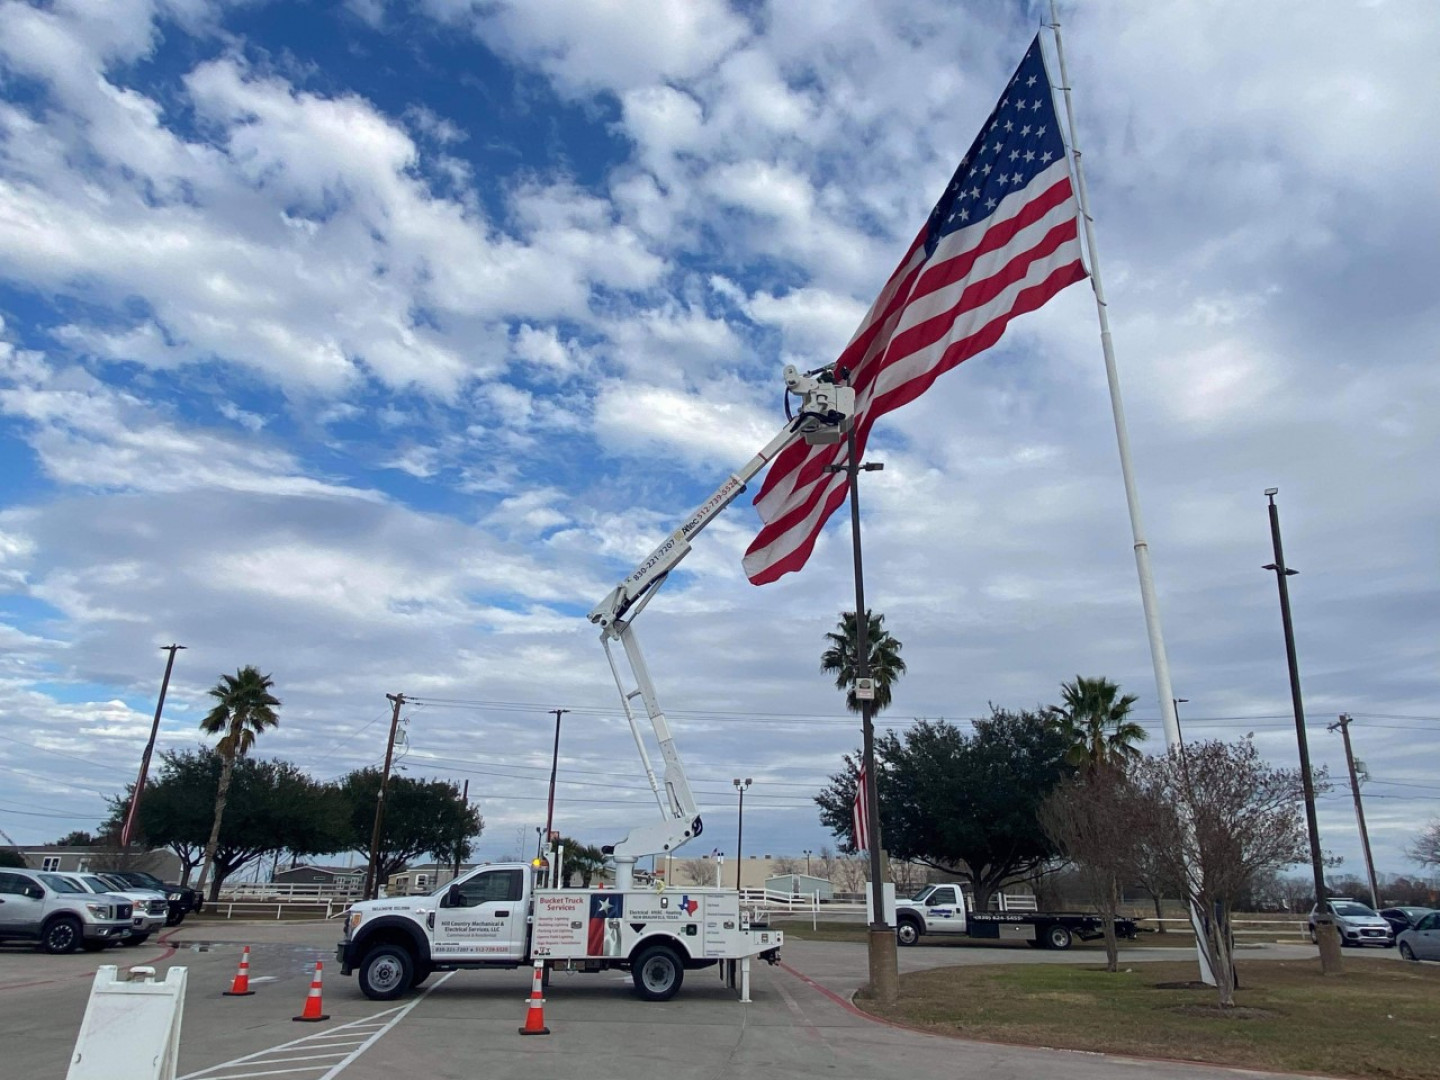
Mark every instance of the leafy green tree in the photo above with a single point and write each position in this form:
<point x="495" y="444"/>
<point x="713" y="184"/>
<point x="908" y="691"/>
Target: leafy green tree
<point x="421" y="816"/>
<point x="12" y="859"/>
<point x="244" y="708"/>
<point x="842" y="652"/>
<point x="964" y="804"/>
<point x="274" y="807"/>
<point x="1095" y="722"/>
<point x="77" y="838"/>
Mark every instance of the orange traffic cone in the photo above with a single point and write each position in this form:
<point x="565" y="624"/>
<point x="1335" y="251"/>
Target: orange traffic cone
<point x="241" y="986"/>
<point x="535" y="1015"/>
<point x="312" y="1012"/>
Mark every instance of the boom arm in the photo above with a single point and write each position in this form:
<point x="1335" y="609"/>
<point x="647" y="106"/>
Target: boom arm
<point x="825" y="413"/>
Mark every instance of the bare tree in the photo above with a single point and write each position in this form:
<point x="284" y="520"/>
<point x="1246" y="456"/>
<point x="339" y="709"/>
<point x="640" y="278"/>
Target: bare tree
<point x="1245" y="819"/>
<point x="1426" y="849"/>
<point x="1090" y="818"/>
<point x="787" y="864"/>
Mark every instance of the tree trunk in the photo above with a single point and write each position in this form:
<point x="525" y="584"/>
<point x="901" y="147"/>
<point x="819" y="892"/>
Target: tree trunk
<point x="1112" y="905"/>
<point x="1159" y="915"/>
<point x="221" y="794"/>
<point x="1222" y="960"/>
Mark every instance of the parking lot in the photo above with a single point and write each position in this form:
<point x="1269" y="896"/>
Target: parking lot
<point x="466" y="1024"/>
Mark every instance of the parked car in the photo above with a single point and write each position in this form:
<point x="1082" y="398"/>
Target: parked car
<point x="58" y="914"/>
<point x="1422" y="941"/>
<point x="149" y="908"/>
<point x="182" y="898"/>
<point x="1403" y="918"/>
<point x="1359" y="924"/>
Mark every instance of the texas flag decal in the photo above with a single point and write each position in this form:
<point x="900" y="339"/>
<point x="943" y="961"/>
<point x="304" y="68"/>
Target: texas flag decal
<point x="689" y="906"/>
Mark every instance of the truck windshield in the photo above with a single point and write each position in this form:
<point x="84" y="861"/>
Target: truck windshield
<point x="94" y="884"/>
<point x="919" y="897"/>
<point x="60" y="884"/>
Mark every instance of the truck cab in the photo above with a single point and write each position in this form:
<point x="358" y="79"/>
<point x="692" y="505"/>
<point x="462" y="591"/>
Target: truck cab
<point x="935" y="909"/>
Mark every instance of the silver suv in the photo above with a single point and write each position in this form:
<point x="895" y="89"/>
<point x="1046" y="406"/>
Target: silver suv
<point x="1357" y="923"/>
<point x="58" y="914"/>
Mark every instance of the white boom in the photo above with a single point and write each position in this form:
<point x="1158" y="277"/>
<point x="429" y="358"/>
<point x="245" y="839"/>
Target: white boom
<point x="824" y="416"/>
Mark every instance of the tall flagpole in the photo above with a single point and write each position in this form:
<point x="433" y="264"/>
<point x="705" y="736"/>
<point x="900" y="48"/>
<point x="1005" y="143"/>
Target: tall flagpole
<point x="1132" y="498"/>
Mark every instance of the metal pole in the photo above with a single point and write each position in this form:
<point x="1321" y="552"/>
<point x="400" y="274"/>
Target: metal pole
<point x="373" y="869"/>
<point x="1158" y="658"/>
<point x="1179" y="734"/>
<point x="1344" y="725"/>
<point x="740" y="832"/>
<point x="1325" y="932"/>
<point x="884" y="963"/>
<point x="132" y="814"/>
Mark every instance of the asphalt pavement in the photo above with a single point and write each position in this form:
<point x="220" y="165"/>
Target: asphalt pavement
<point x="465" y="1024"/>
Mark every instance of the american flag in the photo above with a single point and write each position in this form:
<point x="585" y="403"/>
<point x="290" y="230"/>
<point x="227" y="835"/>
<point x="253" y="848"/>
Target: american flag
<point x="1001" y="241"/>
<point x="860" y="813"/>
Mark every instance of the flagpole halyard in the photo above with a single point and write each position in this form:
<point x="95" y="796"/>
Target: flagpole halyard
<point x="1159" y="660"/>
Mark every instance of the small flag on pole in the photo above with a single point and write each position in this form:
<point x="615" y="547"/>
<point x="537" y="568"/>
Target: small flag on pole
<point x="1001" y="241"/>
<point x="861" y="813"/>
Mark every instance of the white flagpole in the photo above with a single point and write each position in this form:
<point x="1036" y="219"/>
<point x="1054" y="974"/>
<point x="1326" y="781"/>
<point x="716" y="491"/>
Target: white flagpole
<point x="1158" y="658"/>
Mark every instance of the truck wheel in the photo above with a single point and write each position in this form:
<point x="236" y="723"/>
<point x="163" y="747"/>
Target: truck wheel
<point x="908" y="932"/>
<point x="1057" y="937"/>
<point x="386" y="973"/>
<point x="658" y="973"/>
<point x="174" y="918"/>
<point x="63" y="935"/>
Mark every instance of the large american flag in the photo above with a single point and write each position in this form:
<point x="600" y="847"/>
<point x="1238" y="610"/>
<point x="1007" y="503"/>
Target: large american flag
<point x="1001" y="241"/>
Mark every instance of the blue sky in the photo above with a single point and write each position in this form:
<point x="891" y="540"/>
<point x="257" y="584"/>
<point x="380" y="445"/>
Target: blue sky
<point x="372" y="342"/>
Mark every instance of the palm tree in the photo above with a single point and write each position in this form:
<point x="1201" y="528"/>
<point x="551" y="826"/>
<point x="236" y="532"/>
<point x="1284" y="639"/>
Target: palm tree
<point x="1094" y="721"/>
<point x="245" y="707"/>
<point x="841" y="653"/>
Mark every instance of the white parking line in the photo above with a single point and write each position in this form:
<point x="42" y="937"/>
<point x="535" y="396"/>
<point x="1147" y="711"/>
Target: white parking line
<point x="361" y="1034"/>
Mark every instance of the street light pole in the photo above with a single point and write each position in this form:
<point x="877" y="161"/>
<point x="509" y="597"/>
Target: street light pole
<point x="807" y="853"/>
<point x="884" y="962"/>
<point x="1325" y="933"/>
<point x="132" y="814"/>
<point x="1179" y="735"/>
<point x="741" y="787"/>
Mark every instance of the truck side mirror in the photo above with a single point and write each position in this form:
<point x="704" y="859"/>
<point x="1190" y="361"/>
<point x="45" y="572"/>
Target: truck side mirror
<point x="454" y="897"/>
<point x="34" y="892"/>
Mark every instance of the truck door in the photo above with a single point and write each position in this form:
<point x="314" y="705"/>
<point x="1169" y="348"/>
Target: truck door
<point x="942" y="909"/>
<point x="482" y="917"/>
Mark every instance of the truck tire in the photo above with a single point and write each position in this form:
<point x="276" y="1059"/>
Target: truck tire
<point x="658" y="972"/>
<point x="1057" y="936"/>
<point x="174" y="918"/>
<point x="386" y="972"/>
<point x="908" y="932"/>
<point x="62" y="935"/>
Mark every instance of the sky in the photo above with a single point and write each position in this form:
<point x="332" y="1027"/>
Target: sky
<point x="372" y="342"/>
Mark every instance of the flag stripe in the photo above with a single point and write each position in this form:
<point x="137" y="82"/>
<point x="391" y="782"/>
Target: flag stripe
<point x="997" y="245"/>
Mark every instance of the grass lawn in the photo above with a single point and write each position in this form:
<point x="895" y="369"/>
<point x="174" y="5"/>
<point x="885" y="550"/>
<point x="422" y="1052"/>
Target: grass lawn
<point x="1379" y="1019"/>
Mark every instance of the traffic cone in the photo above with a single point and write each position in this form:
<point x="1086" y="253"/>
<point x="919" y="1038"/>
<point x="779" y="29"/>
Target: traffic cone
<point x="312" y="1012"/>
<point x="241" y="986"/>
<point x="535" y="1015"/>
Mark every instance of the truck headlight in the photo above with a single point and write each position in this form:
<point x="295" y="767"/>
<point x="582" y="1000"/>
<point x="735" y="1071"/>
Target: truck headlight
<point x="352" y="923"/>
<point x="100" y="911"/>
<point x="174" y="896"/>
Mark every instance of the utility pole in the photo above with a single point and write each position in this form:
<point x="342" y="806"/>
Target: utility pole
<point x="1326" y="936"/>
<point x="740" y="786"/>
<point x="554" y="766"/>
<point x="132" y="814"/>
<point x="459" y="840"/>
<point x="371" y="885"/>
<point x="1344" y="725"/>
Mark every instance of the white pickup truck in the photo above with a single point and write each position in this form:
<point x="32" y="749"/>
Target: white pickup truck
<point x="941" y="909"/>
<point x="493" y="917"/>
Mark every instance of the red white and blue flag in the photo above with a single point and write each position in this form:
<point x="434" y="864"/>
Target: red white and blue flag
<point x="860" y="814"/>
<point x="1001" y="241"/>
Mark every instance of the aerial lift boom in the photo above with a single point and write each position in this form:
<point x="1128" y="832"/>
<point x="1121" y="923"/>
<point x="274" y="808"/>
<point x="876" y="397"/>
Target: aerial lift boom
<point x="826" y="408"/>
